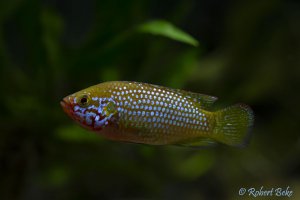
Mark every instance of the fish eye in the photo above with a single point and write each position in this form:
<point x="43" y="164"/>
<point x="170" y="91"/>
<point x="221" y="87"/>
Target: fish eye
<point x="83" y="100"/>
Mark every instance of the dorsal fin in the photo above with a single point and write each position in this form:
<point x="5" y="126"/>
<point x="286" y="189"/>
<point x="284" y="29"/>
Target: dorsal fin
<point x="203" y="100"/>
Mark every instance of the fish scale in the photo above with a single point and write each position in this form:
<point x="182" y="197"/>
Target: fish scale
<point x="158" y="111"/>
<point x="151" y="114"/>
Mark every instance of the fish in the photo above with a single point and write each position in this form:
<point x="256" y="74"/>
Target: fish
<point x="144" y="113"/>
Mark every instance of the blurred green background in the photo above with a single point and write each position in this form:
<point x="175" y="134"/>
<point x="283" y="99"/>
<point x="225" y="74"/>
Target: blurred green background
<point x="248" y="51"/>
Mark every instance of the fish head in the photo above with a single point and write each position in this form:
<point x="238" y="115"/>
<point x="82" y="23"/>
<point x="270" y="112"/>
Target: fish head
<point x="93" y="110"/>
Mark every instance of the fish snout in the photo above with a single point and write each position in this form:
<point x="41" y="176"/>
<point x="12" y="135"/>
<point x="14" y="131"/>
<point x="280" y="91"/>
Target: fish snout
<point x="66" y="104"/>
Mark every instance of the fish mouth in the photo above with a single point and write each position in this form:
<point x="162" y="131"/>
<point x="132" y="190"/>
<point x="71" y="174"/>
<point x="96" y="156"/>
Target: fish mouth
<point x="65" y="104"/>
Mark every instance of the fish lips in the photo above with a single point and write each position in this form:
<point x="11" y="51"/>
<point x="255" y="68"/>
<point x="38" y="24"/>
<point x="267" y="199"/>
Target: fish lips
<point x="67" y="107"/>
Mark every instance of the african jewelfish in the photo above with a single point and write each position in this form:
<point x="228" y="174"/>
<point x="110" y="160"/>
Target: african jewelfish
<point x="150" y="114"/>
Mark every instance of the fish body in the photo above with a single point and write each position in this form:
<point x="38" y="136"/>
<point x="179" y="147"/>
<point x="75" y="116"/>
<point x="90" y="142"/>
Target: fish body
<point x="150" y="114"/>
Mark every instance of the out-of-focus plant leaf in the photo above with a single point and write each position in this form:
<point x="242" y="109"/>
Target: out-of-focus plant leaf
<point x="7" y="8"/>
<point x="183" y="68"/>
<point x="166" y="29"/>
<point x="209" y="68"/>
<point x="147" y="151"/>
<point x="75" y="133"/>
<point x="57" y="175"/>
<point x="30" y="104"/>
<point x="109" y="74"/>
<point x="53" y="28"/>
<point x="195" y="165"/>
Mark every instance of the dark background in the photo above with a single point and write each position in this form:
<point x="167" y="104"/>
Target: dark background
<point x="249" y="51"/>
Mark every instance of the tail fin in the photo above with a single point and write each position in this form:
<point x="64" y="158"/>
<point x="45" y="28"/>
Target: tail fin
<point x="233" y="125"/>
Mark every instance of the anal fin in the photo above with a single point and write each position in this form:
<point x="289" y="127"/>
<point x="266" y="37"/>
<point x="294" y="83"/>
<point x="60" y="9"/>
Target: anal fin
<point x="201" y="142"/>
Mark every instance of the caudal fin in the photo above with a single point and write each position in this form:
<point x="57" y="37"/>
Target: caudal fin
<point x="233" y="125"/>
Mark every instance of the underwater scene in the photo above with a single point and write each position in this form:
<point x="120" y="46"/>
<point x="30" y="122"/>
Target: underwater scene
<point x="191" y="99"/>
